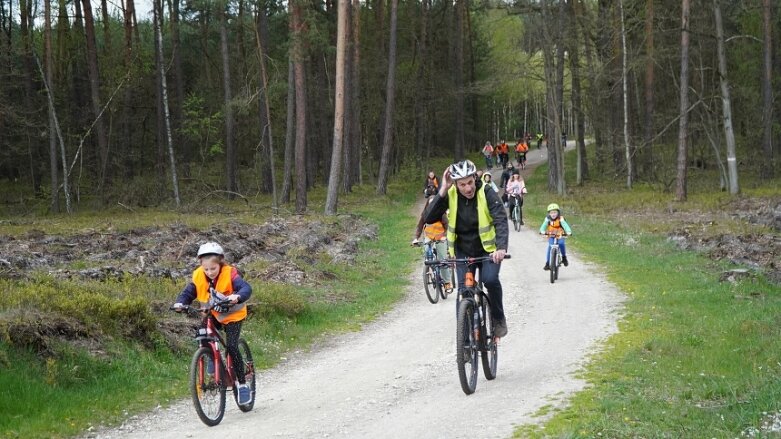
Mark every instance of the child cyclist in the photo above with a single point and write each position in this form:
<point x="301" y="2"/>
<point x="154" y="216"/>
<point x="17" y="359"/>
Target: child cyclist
<point x="212" y="282"/>
<point x="555" y="224"/>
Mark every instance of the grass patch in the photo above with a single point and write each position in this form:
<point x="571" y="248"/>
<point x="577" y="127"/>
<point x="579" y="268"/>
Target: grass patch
<point x="695" y="357"/>
<point x="57" y="390"/>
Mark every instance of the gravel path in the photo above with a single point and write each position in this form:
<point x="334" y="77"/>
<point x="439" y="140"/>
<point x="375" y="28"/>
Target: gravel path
<point x="397" y="377"/>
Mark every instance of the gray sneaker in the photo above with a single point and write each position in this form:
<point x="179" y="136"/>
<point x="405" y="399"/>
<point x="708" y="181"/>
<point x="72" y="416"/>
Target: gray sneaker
<point x="500" y="329"/>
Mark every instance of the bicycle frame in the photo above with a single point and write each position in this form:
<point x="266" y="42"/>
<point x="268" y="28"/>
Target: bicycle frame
<point x="214" y="339"/>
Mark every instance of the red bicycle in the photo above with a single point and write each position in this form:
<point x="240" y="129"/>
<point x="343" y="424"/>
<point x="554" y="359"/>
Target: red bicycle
<point x="211" y="369"/>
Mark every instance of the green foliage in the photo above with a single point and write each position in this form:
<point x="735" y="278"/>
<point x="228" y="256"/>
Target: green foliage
<point x="695" y="357"/>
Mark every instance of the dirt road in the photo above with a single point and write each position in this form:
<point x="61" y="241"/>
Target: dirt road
<point x="397" y="377"/>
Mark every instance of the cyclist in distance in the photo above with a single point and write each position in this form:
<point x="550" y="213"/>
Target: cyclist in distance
<point x="513" y="193"/>
<point x="477" y="226"/>
<point x="214" y="281"/>
<point x="554" y="224"/>
<point x="436" y="232"/>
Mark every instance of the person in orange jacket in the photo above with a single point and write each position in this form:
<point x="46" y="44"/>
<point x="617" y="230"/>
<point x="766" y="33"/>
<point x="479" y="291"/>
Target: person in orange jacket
<point x="214" y="281"/>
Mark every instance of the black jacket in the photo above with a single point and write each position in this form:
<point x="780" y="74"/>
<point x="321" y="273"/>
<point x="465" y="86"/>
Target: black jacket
<point x="468" y="238"/>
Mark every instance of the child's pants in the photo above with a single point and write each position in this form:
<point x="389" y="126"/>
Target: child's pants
<point x="562" y="248"/>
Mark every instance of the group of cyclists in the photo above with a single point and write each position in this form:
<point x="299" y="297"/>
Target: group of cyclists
<point x="500" y="154"/>
<point x="465" y="214"/>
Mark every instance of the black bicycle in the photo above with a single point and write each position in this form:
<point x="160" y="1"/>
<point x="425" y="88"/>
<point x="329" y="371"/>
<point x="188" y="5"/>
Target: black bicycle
<point x="474" y="329"/>
<point x="554" y="258"/>
<point x="433" y="282"/>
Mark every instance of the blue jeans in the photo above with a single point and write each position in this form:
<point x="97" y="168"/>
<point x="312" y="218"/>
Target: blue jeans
<point x="489" y="276"/>
<point x="489" y="163"/>
<point x="562" y="248"/>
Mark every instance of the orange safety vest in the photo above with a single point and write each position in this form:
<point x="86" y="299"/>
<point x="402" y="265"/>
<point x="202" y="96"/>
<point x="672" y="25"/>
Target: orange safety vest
<point x="522" y="147"/>
<point x="435" y="231"/>
<point x="223" y="285"/>
<point x="555" y="225"/>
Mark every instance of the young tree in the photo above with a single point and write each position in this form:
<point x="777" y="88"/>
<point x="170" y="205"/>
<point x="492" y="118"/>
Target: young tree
<point x="624" y="80"/>
<point x="387" y="141"/>
<point x="231" y="153"/>
<point x="726" y="103"/>
<point x="290" y="131"/>
<point x="683" y="122"/>
<point x="47" y="47"/>
<point x="648" y="86"/>
<point x="162" y="84"/>
<point x="265" y="110"/>
<point x="767" y="92"/>
<point x="341" y="66"/>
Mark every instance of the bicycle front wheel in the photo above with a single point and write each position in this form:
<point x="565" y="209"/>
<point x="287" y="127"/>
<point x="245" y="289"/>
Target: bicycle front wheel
<point x="430" y="284"/>
<point x="490" y="355"/>
<point x="554" y="264"/>
<point x="466" y="347"/>
<point x="517" y="218"/>
<point x="208" y="395"/>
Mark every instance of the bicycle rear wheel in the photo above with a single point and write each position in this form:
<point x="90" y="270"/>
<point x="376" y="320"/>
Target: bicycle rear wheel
<point x="490" y="355"/>
<point x="466" y="347"/>
<point x="517" y="218"/>
<point x="429" y="283"/>
<point x="554" y="266"/>
<point x="208" y="395"/>
<point x="249" y="376"/>
<point x="440" y="282"/>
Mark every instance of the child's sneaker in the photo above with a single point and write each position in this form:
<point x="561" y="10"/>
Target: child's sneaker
<point x="564" y="261"/>
<point x="245" y="394"/>
<point x="546" y="267"/>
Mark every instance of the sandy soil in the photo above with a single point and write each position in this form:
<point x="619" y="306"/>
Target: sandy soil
<point x="397" y="377"/>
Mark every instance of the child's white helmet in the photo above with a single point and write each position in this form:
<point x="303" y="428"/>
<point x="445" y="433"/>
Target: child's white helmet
<point x="210" y="248"/>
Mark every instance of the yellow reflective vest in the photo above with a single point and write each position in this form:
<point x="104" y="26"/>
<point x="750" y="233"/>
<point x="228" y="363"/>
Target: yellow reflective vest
<point x="485" y="222"/>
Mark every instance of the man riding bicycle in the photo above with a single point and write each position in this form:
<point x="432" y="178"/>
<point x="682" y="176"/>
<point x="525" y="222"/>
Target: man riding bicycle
<point x="477" y="226"/>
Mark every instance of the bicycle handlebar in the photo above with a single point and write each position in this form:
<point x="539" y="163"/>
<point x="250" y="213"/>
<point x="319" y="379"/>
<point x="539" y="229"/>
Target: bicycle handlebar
<point x="462" y="260"/>
<point x="209" y="307"/>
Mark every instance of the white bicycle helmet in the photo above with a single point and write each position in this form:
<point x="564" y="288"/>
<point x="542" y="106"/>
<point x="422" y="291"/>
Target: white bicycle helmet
<point x="210" y="248"/>
<point x="462" y="169"/>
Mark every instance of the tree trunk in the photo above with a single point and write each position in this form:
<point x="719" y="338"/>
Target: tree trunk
<point x="356" y="131"/>
<point x="106" y="27"/>
<point x="162" y="83"/>
<point x="47" y="44"/>
<point x="767" y="170"/>
<point x="332" y="197"/>
<point x="266" y="131"/>
<point x="300" y="80"/>
<point x="648" y="121"/>
<point x="94" y="82"/>
<point x="726" y="103"/>
<point x="387" y="141"/>
<point x="683" y="122"/>
<point x="458" y="154"/>
<point x="287" y="174"/>
<point x="178" y="80"/>
<point x="231" y="154"/>
<point x="624" y="80"/>
<point x="577" y="104"/>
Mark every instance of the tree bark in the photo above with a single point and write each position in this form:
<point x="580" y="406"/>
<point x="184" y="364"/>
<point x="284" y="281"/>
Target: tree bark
<point x="577" y="104"/>
<point x="648" y="121"/>
<point x="178" y="79"/>
<point x="726" y="103"/>
<point x="299" y="29"/>
<point x="767" y="170"/>
<point x="266" y="131"/>
<point x="332" y="197"/>
<point x="287" y="177"/>
<point x="94" y="82"/>
<point x="387" y="141"/>
<point x="458" y="153"/>
<point x="231" y="154"/>
<point x="356" y="131"/>
<point x="683" y="121"/>
<point x="47" y="45"/>
<point x="162" y="83"/>
<point x="624" y="81"/>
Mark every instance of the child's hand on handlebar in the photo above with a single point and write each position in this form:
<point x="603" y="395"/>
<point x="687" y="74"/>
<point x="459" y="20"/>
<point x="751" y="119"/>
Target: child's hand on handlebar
<point x="178" y="307"/>
<point x="234" y="298"/>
